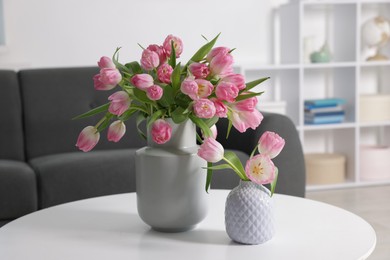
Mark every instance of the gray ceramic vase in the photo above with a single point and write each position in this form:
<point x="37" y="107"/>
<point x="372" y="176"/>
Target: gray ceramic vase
<point x="170" y="181"/>
<point x="249" y="214"/>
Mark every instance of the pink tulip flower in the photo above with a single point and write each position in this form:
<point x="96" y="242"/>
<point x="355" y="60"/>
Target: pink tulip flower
<point x="149" y="60"/>
<point x="242" y="120"/>
<point x="177" y="44"/>
<point x="204" y="108"/>
<point x="204" y="88"/>
<point x="161" y="131"/>
<point x="106" y="63"/>
<point x="107" y="79"/>
<point x="155" y="92"/>
<point x="162" y="55"/>
<point x="248" y="104"/>
<point x="116" y="131"/>
<point x="190" y="88"/>
<point x="260" y="169"/>
<point x="270" y="144"/>
<point x="88" y="138"/>
<point x="98" y="85"/>
<point x="120" y="102"/>
<point x="211" y="150"/>
<point x="221" y="65"/>
<point x="236" y="79"/>
<point x="226" y="91"/>
<point x="220" y="108"/>
<point x="142" y="81"/>
<point x="199" y="70"/>
<point x="164" y="73"/>
<point x="215" y="51"/>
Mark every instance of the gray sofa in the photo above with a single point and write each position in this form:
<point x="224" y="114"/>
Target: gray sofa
<point x="41" y="167"/>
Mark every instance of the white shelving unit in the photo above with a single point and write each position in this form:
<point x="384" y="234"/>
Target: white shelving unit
<point x="294" y="79"/>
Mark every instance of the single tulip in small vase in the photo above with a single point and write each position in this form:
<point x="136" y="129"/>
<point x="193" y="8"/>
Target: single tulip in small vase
<point x="171" y="100"/>
<point x="249" y="215"/>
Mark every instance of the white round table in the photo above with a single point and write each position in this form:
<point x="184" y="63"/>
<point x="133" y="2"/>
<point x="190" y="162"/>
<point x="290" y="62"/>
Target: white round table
<point x="109" y="228"/>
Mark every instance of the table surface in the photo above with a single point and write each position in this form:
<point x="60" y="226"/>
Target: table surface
<point x="109" y="228"/>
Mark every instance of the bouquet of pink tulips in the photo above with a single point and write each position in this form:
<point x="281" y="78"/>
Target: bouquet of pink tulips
<point x="202" y="90"/>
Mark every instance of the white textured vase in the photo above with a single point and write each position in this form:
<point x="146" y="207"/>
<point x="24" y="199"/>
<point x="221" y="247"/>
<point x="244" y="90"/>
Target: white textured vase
<point x="170" y="181"/>
<point x="249" y="214"/>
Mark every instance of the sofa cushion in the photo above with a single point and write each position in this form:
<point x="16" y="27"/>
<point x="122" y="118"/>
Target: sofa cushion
<point x="51" y="98"/>
<point x="18" y="189"/>
<point x="11" y="137"/>
<point x="73" y="176"/>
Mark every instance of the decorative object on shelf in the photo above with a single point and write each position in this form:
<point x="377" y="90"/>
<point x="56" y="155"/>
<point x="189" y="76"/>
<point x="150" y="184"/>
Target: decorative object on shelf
<point x="322" y="55"/>
<point x="249" y="206"/>
<point x="376" y="34"/>
<point x="324" y="111"/>
<point x="173" y="99"/>
<point x="374" y="163"/>
<point x="374" y="107"/>
<point x="325" y="168"/>
<point x="308" y="48"/>
<point x="249" y="215"/>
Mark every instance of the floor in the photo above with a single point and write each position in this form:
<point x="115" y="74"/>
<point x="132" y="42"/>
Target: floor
<point x="371" y="203"/>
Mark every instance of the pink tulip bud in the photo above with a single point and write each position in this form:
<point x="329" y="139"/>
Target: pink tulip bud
<point x="116" y="131"/>
<point x="211" y="150"/>
<point x="226" y="91"/>
<point x="204" y="88"/>
<point x="204" y="108"/>
<point x="236" y="79"/>
<point x="162" y="55"/>
<point x="248" y="104"/>
<point x="242" y="120"/>
<point x="260" y="169"/>
<point x="221" y="65"/>
<point x="107" y="79"/>
<point x="88" y="138"/>
<point x="106" y="63"/>
<point x="220" y="108"/>
<point x="199" y="70"/>
<point x="270" y="144"/>
<point x="164" y="73"/>
<point x="149" y="60"/>
<point x="120" y="102"/>
<point x="177" y="44"/>
<point x="99" y="85"/>
<point x="214" y="130"/>
<point x="190" y="88"/>
<point x="161" y="131"/>
<point x="142" y="81"/>
<point x="215" y="51"/>
<point x="155" y="92"/>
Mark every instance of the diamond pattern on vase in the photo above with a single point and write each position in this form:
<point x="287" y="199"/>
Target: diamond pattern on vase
<point x="249" y="214"/>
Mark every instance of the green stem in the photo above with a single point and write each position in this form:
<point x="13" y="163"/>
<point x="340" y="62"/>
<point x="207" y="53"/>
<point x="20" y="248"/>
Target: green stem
<point x="242" y="177"/>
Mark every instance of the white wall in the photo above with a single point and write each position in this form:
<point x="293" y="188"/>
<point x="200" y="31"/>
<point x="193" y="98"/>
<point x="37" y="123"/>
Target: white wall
<point x="52" y="33"/>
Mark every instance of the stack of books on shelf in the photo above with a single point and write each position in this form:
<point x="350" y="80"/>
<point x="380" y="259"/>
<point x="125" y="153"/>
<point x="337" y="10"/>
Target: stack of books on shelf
<point x="324" y="111"/>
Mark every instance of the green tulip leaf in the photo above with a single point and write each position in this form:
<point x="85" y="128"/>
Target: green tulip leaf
<point x="175" y="78"/>
<point x="134" y="67"/>
<point x="172" y="58"/>
<point x="273" y="183"/>
<point x="232" y="159"/>
<point x="178" y="115"/>
<point x="202" y="125"/>
<point x="97" y="110"/>
<point x="250" y="95"/>
<point x="254" y="83"/>
<point x="209" y="176"/>
<point x="204" y="50"/>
